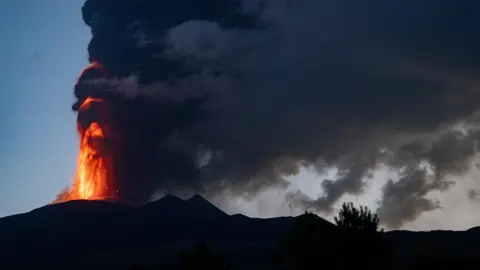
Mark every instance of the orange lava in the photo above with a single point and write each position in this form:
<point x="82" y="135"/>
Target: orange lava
<point x="91" y="179"/>
<point x="93" y="172"/>
<point x="86" y="104"/>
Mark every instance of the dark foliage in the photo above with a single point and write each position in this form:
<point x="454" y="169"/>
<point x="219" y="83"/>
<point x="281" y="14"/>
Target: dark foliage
<point x="354" y="242"/>
<point x="360" y="218"/>
<point x="360" y="239"/>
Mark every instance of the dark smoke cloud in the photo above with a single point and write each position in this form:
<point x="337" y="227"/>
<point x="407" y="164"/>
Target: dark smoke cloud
<point x="405" y="200"/>
<point x="219" y="95"/>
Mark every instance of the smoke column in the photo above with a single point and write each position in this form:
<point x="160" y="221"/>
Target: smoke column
<point x="222" y="95"/>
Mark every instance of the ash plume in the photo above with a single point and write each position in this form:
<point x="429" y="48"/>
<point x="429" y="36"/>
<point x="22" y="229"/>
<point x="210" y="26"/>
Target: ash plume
<point x="229" y="95"/>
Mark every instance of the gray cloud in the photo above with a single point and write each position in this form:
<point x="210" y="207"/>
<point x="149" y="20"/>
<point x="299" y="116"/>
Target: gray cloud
<point x="473" y="194"/>
<point x="406" y="199"/>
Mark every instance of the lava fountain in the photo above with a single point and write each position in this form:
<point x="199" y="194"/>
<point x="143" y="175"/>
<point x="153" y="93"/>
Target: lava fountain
<point x="93" y="175"/>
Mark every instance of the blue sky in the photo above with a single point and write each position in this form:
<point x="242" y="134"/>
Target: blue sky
<point x="44" y="47"/>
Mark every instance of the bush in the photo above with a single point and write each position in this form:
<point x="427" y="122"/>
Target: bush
<point x="354" y="218"/>
<point x="360" y="239"/>
<point x="354" y="243"/>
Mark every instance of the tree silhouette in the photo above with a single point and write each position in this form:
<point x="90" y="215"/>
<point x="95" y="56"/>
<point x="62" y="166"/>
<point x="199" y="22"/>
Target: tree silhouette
<point x="201" y="257"/>
<point x="360" y="239"/>
<point x="354" y="218"/>
<point x="353" y="243"/>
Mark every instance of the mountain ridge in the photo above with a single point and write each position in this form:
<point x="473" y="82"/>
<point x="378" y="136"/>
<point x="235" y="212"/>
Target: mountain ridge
<point x="75" y="234"/>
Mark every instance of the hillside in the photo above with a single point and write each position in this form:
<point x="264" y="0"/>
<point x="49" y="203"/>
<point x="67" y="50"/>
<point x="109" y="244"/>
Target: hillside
<point x="108" y="235"/>
<point x="81" y="233"/>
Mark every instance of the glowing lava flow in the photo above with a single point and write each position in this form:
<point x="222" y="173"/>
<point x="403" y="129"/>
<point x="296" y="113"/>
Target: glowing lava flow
<point x="91" y="179"/>
<point x="93" y="174"/>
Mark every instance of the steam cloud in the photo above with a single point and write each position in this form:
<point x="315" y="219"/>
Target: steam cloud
<point x="218" y="95"/>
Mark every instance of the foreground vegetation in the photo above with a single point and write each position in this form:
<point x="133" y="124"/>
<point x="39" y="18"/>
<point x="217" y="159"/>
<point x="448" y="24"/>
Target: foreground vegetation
<point x="355" y="241"/>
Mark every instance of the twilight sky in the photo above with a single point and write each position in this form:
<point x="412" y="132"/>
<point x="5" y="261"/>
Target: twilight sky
<point x="44" y="49"/>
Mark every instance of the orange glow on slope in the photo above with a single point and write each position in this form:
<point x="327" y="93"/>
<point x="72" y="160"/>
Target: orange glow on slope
<point x="91" y="179"/>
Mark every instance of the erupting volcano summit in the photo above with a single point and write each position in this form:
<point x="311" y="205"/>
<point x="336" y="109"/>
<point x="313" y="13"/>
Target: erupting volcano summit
<point x="93" y="179"/>
<point x="232" y="97"/>
<point x="119" y="139"/>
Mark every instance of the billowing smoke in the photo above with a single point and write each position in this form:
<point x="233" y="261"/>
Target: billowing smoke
<point x="217" y="95"/>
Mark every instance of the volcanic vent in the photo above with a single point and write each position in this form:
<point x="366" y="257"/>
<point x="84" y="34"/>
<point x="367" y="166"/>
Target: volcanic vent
<point x="94" y="175"/>
<point x="120" y="137"/>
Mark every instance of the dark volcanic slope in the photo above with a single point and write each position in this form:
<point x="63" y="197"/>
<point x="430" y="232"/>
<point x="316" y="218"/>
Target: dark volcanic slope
<point x="79" y="232"/>
<point x="108" y="235"/>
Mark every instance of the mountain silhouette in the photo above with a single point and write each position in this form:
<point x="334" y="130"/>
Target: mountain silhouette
<point x="171" y="208"/>
<point x="109" y="235"/>
<point x="73" y="234"/>
<point x="204" y="208"/>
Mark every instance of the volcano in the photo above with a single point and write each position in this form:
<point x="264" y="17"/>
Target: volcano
<point x="94" y="174"/>
<point x="103" y="234"/>
<point x="91" y="234"/>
